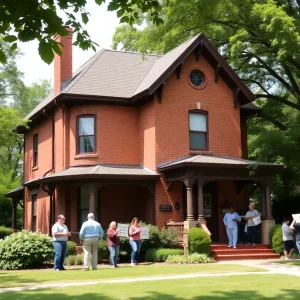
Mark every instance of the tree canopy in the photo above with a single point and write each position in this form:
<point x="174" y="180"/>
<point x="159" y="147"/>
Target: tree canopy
<point x="260" y="39"/>
<point x="28" y="20"/>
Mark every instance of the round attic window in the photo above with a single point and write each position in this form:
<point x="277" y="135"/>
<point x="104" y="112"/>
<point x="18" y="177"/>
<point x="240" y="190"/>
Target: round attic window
<point x="197" y="78"/>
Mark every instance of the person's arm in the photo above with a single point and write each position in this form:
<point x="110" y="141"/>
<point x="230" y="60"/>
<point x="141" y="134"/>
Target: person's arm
<point x="247" y="217"/>
<point x="101" y="232"/>
<point x="132" y="231"/>
<point x="237" y="217"/>
<point x="292" y="225"/>
<point x="112" y="233"/>
<point x="225" y="220"/>
<point x="81" y="233"/>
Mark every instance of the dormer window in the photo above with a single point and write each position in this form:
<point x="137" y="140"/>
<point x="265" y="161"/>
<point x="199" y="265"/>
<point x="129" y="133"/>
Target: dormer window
<point x="198" y="130"/>
<point x="86" y="134"/>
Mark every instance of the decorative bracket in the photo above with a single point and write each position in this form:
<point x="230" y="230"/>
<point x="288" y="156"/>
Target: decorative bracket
<point x="198" y="52"/>
<point x="178" y="71"/>
<point x="160" y="91"/>
<point x="235" y="94"/>
<point x="189" y="182"/>
<point x="217" y="71"/>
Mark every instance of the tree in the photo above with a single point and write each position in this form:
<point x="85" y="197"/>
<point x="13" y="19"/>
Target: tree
<point x="260" y="39"/>
<point x="28" y="20"/>
<point x="26" y="98"/>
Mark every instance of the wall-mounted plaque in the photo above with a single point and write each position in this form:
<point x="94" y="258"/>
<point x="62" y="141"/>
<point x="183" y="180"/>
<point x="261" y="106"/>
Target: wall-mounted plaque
<point x="165" y="207"/>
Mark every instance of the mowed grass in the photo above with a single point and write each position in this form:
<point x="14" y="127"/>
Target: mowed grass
<point x="244" y="287"/>
<point x="32" y="277"/>
<point x="291" y="262"/>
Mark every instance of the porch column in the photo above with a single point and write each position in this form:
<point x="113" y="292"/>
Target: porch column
<point x="92" y="205"/>
<point x="14" y="215"/>
<point x="190" y="219"/>
<point x="262" y="201"/>
<point x="201" y="218"/>
<point x="269" y="222"/>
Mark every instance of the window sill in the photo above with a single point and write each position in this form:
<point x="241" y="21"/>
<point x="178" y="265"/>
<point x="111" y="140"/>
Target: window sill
<point x="35" y="168"/>
<point x="86" y="155"/>
<point x="203" y="152"/>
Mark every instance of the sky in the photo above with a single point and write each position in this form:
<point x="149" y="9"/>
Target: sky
<point x="101" y="28"/>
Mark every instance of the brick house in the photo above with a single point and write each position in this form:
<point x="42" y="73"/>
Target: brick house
<point x="158" y="137"/>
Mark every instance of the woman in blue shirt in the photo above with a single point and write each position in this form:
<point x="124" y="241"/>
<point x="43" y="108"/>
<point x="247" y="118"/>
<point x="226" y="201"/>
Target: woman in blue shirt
<point x="230" y="220"/>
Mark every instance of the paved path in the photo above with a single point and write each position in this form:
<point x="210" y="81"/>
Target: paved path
<point x="272" y="266"/>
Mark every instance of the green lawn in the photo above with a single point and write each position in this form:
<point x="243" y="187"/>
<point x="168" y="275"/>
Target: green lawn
<point x="21" y="278"/>
<point x="244" y="287"/>
<point x="291" y="262"/>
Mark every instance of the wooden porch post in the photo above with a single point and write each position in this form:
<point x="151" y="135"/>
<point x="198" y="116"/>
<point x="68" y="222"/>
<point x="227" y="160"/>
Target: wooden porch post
<point x="92" y="205"/>
<point x="268" y="201"/>
<point x="190" y="210"/>
<point x="14" y="215"/>
<point x="201" y="217"/>
<point x="263" y="201"/>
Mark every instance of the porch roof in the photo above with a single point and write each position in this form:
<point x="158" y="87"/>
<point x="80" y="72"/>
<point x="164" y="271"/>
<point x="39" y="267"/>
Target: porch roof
<point x="98" y="172"/>
<point x="16" y="193"/>
<point x="215" y="161"/>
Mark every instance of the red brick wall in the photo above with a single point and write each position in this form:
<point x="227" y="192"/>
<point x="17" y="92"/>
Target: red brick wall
<point x="147" y="136"/>
<point x="171" y="116"/>
<point x="117" y="135"/>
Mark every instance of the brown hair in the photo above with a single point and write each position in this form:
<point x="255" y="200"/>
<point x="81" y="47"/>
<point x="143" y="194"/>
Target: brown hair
<point x="133" y="221"/>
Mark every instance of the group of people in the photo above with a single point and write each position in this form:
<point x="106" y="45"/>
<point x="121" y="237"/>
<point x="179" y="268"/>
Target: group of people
<point x="231" y="220"/>
<point x="90" y="233"/>
<point x="288" y="236"/>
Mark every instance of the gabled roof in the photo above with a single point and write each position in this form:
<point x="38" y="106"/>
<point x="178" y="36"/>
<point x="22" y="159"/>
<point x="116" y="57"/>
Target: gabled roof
<point x="126" y="77"/>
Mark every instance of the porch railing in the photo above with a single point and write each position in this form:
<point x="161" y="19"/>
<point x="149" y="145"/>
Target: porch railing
<point x="178" y="226"/>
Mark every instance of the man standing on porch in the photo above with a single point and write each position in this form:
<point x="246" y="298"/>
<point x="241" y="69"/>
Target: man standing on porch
<point x="251" y="227"/>
<point x="90" y="233"/>
<point x="230" y="220"/>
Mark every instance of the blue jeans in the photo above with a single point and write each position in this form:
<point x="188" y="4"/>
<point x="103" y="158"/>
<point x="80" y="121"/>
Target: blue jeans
<point x="114" y="253"/>
<point x="232" y="235"/>
<point x="136" y="248"/>
<point x="60" y="249"/>
<point x="298" y="246"/>
<point x="251" y="232"/>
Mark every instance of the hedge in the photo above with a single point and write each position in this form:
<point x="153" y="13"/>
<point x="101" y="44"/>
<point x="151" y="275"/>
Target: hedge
<point x="161" y="255"/>
<point x="199" y="241"/>
<point x="5" y="231"/>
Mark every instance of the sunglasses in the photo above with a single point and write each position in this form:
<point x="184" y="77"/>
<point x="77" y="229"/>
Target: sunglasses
<point x="62" y="218"/>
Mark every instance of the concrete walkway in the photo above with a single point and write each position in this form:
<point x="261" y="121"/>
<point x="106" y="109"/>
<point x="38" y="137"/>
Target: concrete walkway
<point x="272" y="267"/>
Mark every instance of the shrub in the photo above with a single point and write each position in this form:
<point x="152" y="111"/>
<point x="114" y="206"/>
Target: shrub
<point x="169" y="238"/>
<point x="162" y="254"/>
<point x="199" y="241"/>
<point x="25" y="250"/>
<point x="125" y="250"/>
<point x="74" y="260"/>
<point x="194" y="258"/>
<point x="276" y="239"/>
<point x="71" y="248"/>
<point x="5" y="231"/>
<point x="102" y="250"/>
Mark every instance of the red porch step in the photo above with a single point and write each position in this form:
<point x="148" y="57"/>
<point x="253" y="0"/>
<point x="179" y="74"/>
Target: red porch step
<point x="222" y="252"/>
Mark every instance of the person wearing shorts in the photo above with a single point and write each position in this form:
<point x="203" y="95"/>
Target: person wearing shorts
<point x="288" y="239"/>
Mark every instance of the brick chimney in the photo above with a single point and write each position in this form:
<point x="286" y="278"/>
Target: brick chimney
<point x="63" y="63"/>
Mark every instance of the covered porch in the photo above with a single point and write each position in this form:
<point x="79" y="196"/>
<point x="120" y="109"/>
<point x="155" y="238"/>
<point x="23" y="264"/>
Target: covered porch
<point x="110" y="192"/>
<point x="213" y="182"/>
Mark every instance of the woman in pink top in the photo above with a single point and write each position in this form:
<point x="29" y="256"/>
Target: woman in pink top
<point x="113" y="242"/>
<point x="135" y="240"/>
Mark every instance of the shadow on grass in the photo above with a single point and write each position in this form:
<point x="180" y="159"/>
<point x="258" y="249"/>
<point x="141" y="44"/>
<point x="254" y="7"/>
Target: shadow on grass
<point x="212" y="295"/>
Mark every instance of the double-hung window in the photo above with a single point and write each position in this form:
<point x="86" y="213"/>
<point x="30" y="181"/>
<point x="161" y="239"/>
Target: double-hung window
<point x="35" y="150"/>
<point x="86" y="140"/>
<point x="198" y="130"/>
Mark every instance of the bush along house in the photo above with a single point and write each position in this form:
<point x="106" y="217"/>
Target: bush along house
<point x="160" y="137"/>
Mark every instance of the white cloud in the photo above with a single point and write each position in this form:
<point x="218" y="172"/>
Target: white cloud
<point x="101" y="27"/>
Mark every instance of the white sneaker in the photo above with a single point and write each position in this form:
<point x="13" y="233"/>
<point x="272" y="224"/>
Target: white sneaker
<point x="132" y="264"/>
<point x="234" y="247"/>
<point x="229" y="246"/>
<point x="112" y="266"/>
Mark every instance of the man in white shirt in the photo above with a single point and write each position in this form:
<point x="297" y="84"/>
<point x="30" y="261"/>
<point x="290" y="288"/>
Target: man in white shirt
<point x="251" y="227"/>
<point x="60" y="235"/>
<point x="288" y="238"/>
